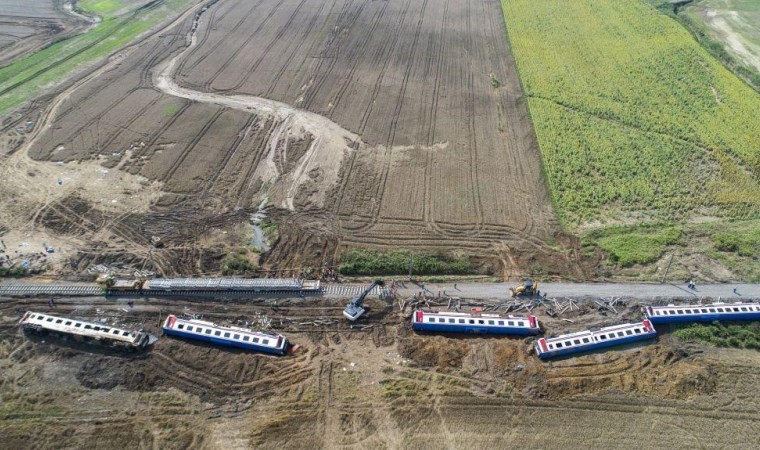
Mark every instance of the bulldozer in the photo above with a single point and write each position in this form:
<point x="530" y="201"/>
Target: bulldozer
<point x="529" y="288"/>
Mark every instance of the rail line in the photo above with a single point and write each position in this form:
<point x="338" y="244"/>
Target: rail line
<point x="28" y="289"/>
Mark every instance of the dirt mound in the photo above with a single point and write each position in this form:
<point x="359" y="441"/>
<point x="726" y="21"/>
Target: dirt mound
<point x="655" y="370"/>
<point x="436" y="351"/>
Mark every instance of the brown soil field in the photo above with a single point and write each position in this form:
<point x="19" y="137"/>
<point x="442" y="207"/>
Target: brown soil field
<point x="369" y="123"/>
<point x="377" y="385"/>
<point x="27" y="25"/>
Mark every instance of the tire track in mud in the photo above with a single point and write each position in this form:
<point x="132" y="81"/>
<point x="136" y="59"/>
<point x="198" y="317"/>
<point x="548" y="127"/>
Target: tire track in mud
<point x="242" y="135"/>
<point x="210" y="81"/>
<point x="157" y="135"/>
<point x="213" y="48"/>
<point x="349" y="78"/>
<point x="189" y="148"/>
<point x="388" y="154"/>
<point x="251" y="70"/>
<point x="344" y="14"/>
<point x="277" y="78"/>
<point x="260" y="149"/>
<point x="368" y="109"/>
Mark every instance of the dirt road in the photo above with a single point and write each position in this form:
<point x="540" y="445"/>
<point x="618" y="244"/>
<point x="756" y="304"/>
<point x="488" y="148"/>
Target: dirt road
<point x="642" y="291"/>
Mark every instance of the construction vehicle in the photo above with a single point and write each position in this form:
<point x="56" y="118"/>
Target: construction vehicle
<point x="354" y="309"/>
<point x="529" y="288"/>
<point x="107" y="282"/>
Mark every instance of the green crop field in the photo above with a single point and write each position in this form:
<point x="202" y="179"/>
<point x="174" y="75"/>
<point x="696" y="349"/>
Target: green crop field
<point x="635" y="120"/>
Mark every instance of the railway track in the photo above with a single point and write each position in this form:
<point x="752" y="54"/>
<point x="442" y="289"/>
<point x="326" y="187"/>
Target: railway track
<point x="90" y="290"/>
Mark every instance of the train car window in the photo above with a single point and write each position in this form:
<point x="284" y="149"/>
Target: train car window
<point x="628" y="332"/>
<point x="208" y="330"/>
<point x="226" y="335"/>
<point x="59" y="321"/>
<point x="501" y="322"/>
<point x="31" y="316"/>
<point x="452" y="321"/>
<point x="115" y="331"/>
<point x="481" y="322"/>
<point x="688" y="311"/>
<point x="50" y="319"/>
<point x="431" y="319"/>
<point x="577" y="342"/>
<point x="551" y="346"/>
<point x="559" y="344"/>
<point x="680" y="311"/>
<point x="603" y="336"/>
<point x="237" y="336"/>
<point x="743" y="309"/>
<point x="637" y="330"/>
<point x="472" y="321"/>
<point x="246" y="338"/>
<point x="255" y="340"/>
<point x="585" y="340"/>
<point x="217" y="333"/>
<point x="712" y="310"/>
<point x="125" y="333"/>
<point x="520" y="324"/>
<point x="736" y="309"/>
<point x="511" y="323"/>
<point x="719" y="310"/>
<point x="620" y="334"/>
<point x="265" y="341"/>
<point x="704" y="310"/>
<point x="461" y="320"/>
<point x="189" y="328"/>
<point x="88" y="327"/>
<point x="77" y="325"/>
<point x="96" y="328"/>
<point x="491" y="322"/>
<point x="180" y="326"/>
<point x="68" y="322"/>
<point x="106" y="330"/>
<point x="441" y="320"/>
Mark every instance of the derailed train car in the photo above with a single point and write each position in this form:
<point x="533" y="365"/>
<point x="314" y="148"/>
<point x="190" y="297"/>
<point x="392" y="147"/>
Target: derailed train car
<point x="702" y="313"/>
<point x="585" y="341"/>
<point x="455" y="322"/>
<point x="44" y="324"/>
<point x="212" y="333"/>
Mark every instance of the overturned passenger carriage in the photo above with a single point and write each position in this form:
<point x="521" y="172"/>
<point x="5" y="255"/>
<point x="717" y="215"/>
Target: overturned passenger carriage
<point x="702" y="313"/>
<point x="42" y="324"/>
<point x="226" y="336"/>
<point x="588" y="340"/>
<point x="454" y="322"/>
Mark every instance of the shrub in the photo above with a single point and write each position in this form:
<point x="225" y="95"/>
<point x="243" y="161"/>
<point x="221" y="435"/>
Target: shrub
<point x="360" y="261"/>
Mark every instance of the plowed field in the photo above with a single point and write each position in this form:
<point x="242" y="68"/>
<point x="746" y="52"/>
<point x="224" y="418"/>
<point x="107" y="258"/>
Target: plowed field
<point x="380" y="123"/>
<point x="378" y="385"/>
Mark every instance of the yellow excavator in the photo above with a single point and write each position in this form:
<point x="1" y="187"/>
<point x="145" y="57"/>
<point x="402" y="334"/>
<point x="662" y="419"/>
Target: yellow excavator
<point x="529" y="288"/>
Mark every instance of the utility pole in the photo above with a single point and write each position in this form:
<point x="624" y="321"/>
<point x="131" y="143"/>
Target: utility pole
<point x="411" y="265"/>
<point x="665" y="276"/>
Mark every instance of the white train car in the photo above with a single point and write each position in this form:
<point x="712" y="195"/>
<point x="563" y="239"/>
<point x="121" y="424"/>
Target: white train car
<point x="41" y="324"/>
<point x="702" y="313"/>
<point x="455" y="322"/>
<point x="584" y="341"/>
<point x="244" y="338"/>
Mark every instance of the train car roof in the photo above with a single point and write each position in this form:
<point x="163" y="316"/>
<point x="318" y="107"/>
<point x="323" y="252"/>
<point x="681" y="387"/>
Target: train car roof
<point x="95" y="329"/>
<point x="472" y="314"/>
<point x="619" y="327"/>
<point x="227" y="328"/>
